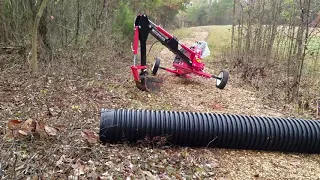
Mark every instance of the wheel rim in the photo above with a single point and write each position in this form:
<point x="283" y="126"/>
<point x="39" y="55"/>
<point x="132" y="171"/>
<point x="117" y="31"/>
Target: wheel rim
<point x="218" y="81"/>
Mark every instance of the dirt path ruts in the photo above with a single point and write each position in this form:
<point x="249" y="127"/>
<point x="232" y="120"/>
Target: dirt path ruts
<point x="199" y="94"/>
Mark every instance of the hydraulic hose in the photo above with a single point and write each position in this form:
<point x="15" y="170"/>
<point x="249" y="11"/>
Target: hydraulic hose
<point x="211" y="130"/>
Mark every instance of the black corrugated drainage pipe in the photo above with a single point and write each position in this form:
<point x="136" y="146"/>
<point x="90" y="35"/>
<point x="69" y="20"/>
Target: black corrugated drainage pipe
<point x="211" y="130"/>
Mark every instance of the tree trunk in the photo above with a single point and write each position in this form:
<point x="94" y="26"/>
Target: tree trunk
<point x="306" y="38"/>
<point x="295" y="86"/>
<point x="301" y="49"/>
<point x="1" y="6"/>
<point x="78" y="22"/>
<point x="247" y="50"/>
<point x="274" y="25"/>
<point x="2" y="25"/>
<point x="98" y="19"/>
<point x="290" y="55"/>
<point x="240" y="38"/>
<point x="106" y="8"/>
<point x="34" y="60"/>
<point x="233" y="23"/>
<point x="65" y="25"/>
<point x="43" y="32"/>
<point x="258" y="43"/>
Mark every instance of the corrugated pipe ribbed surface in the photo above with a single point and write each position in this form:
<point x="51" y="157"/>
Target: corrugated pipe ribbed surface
<point x="211" y="130"/>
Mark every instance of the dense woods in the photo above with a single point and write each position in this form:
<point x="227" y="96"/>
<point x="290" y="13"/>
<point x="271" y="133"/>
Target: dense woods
<point x="61" y="25"/>
<point x="277" y="46"/>
<point x="209" y="12"/>
<point x="274" y="43"/>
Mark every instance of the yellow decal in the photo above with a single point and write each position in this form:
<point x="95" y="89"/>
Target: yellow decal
<point x="198" y="60"/>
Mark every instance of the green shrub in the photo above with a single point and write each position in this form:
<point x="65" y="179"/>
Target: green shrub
<point x="123" y="24"/>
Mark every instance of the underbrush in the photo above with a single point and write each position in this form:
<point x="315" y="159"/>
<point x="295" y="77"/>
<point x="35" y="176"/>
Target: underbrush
<point x="271" y="81"/>
<point x="69" y="92"/>
<point x="274" y="86"/>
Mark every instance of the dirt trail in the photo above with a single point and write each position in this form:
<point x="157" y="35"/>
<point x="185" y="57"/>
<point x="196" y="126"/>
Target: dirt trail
<point x="199" y="94"/>
<point x="198" y="34"/>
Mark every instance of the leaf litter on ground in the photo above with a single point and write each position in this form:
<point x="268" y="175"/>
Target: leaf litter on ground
<point x="18" y="129"/>
<point x="75" y="101"/>
<point x="90" y="136"/>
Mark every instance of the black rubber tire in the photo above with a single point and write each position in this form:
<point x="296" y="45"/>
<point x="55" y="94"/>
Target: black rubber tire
<point x="224" y="80"/>
<point x="156" y="66"/>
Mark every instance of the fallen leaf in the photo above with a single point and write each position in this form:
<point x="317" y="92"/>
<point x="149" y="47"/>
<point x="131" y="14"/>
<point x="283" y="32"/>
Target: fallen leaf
<point x="54" y="111"/>
<point x="60" y="161"/>
<point x="213" y="165"/>
<point x="50" y="130"/>
<point x="63" y="159"/>
<point x="93" y="175"/>
<point x="89" y="136"/>
<point x="12" y="131"/>
<point x="217" y="106"/>
<point x="178" y="176"/>
<point x="61" y="128"/>
<point x="79" y="169"/>
<point x="40" y="129"/>
<point x="15" y="133"/>
<point x="222" y="178"/>
<point x="14" y="124"/>
<point x="105" y="175"/>
<point x="28" y="126"/>
<point x="23" y="133"/>
<point x="9" y="134"/>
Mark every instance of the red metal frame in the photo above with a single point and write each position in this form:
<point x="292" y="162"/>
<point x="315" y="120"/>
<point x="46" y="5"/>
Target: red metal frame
<point x="164" y="32"/>
<point x="181" y="68"/>
<point x="196" y="68"/>
<point x="184" y="69"/>
<point x="135" y="71"/>
<point x="136" y="40"/>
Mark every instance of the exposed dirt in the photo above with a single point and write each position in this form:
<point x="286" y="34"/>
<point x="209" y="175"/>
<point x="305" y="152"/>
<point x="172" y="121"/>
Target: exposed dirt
<point x="75" y="102"/>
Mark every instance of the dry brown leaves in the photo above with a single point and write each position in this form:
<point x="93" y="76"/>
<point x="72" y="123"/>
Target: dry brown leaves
<point x="89" y="136"/>
<point x="217" y="106"/>
<point x="17" y="129"/>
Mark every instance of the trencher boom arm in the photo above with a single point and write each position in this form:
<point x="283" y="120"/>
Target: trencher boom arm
<point x="142" y="27"/>
<point x="191" y="57"/>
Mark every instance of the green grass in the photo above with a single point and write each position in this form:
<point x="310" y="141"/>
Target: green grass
<point x="182" y="33"/>
<point x="310" y="65"/>
<point x="219" y="38"/>
<point x="314" y="44"/>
